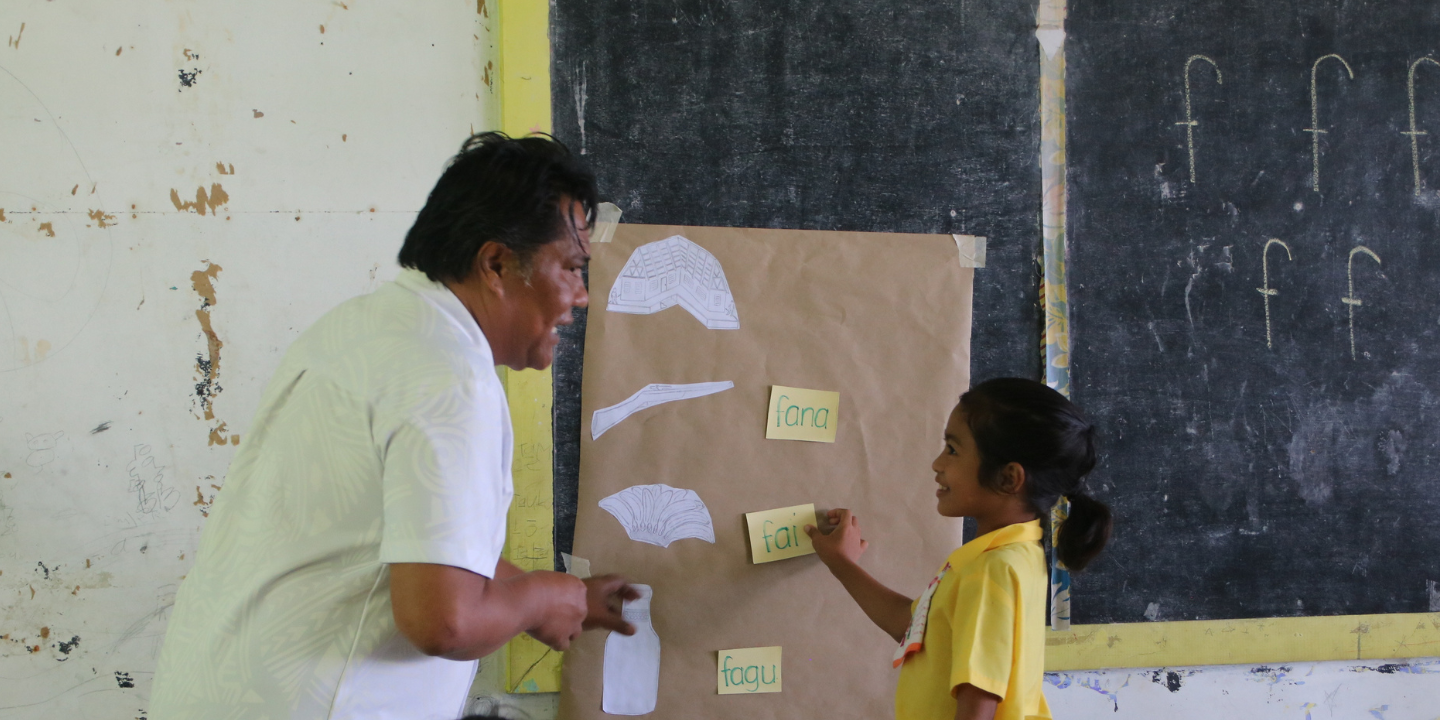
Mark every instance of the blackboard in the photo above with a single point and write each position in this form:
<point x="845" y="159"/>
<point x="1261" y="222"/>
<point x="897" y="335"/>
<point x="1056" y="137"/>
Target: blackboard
<point x="847" y="115"/>
<point x="1257" y="471"/>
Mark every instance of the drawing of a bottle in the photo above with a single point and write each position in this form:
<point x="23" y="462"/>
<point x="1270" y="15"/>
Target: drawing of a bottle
<point x="632" y="664"/>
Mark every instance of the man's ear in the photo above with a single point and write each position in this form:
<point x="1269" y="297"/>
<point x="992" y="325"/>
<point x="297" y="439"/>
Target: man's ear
<point x="492" y="263"/>
<point x="1012" y="478"/>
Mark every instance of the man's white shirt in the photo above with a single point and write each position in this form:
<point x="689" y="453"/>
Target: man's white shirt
<point x="383" y="438"/>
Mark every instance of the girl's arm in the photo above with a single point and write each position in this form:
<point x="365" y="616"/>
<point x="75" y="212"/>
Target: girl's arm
<point x="840" y="550"/>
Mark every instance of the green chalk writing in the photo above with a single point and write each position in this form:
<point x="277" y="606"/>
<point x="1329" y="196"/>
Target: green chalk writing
<point x="785" y="537"/>
<point x="749" y="677"/>
<point x="789" y="414"/>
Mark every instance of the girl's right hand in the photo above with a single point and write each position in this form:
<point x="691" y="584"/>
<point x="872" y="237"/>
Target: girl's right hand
<point x="842" y="544"/>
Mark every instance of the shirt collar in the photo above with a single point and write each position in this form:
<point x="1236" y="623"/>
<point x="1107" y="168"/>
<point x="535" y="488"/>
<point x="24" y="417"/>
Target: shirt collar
<point x="443" y="299"/>
<point x="1019" y="532"/>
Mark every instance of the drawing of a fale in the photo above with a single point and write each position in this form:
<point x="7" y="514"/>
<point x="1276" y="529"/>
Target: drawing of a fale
<point x="675" y="271"/>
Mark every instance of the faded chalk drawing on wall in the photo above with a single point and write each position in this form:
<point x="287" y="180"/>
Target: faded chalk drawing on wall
<point x="53" y="266"/>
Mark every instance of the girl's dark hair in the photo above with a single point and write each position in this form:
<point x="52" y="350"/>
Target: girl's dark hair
<point x="1023" y="421"/>
<point x="497" y="188"/>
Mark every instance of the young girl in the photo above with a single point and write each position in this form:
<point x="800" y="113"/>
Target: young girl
<point x="973" y="645"/>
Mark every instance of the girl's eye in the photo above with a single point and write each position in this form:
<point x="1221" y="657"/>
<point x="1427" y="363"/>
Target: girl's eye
<point x="950" y="449"/>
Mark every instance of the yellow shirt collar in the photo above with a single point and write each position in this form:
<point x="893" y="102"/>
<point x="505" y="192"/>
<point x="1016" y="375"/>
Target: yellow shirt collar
<point x="1019" y="532"/>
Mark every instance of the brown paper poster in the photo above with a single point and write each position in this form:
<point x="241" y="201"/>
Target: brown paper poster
<point x="882" y="319"/>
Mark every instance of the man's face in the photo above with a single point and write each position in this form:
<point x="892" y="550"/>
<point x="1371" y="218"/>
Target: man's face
<point x="555" y="284"/>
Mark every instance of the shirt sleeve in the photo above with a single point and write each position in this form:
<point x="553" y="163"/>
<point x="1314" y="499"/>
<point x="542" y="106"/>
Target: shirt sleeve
<point x="983" y="627"/>
<point x="447" y="485"/>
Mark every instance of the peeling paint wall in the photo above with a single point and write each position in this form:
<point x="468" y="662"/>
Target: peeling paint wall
<point x="1402" y="690"/>
<point x="184" y="187"/>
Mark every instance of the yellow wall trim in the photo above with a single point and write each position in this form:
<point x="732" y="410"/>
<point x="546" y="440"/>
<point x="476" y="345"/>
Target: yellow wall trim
<point x="524" y="91"/>
<point x="524" y="66"/>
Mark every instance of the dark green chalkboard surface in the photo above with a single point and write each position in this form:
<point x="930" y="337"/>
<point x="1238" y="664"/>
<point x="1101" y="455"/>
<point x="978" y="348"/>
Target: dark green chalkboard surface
<point x="1256" y="320"/>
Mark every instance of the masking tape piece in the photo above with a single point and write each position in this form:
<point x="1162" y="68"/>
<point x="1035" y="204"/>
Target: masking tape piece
<point x="972" y="250"/>
<point x="1050" y="40"/>
<point x="523" y="92"/>
<point x="577" y="566"/>
<point x="607" y="216"/>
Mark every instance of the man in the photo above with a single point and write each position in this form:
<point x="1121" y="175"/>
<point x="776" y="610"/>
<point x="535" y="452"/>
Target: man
<point x="351" y="567"/>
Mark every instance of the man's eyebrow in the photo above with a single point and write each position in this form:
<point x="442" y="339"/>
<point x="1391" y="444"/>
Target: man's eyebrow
<point x="580" y="249"/>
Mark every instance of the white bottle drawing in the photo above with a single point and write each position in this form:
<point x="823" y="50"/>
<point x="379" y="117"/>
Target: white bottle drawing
<point x="632" y="663"/>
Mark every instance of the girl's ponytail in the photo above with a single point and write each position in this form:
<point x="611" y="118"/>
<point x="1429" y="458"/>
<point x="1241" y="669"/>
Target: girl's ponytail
<point x="1023" y="421"/>
<point x="1084" y="532"/>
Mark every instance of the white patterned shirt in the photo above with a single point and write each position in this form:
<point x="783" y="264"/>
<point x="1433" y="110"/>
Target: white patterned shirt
<point x="383" y="438"/>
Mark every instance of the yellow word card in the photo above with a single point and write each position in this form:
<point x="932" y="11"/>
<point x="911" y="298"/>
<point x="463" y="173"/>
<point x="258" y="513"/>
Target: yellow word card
<point x="780" y="533"/>
<point x="748" y="670"/>
<point x="800" y="414"/>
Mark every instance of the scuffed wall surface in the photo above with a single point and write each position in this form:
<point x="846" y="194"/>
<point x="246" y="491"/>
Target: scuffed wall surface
<point x="184" y="187"/>
<point x="1401" y="690"/>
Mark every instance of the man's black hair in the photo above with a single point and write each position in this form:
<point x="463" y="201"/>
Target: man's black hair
<point x="497" y="188"/>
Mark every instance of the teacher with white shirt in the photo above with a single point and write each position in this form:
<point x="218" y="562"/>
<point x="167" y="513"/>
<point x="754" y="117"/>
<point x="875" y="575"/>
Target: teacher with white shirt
<point x="351" y="566"/>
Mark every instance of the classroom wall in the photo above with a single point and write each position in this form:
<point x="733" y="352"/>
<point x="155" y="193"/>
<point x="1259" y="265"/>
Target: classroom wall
<point x="1400" y="690"/>
<point x="185" y="187"/>
<point x="137" y="331"/>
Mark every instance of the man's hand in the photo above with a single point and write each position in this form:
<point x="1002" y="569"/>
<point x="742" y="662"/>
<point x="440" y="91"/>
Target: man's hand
<point x="565" y="602"/>
<point x="604" y="597"/>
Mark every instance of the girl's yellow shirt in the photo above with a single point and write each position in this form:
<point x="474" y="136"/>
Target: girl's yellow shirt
<point x="986" y="627"/>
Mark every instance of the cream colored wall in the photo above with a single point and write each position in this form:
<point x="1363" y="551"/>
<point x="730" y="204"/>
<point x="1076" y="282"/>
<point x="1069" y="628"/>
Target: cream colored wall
<point x="314" y="130"/>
